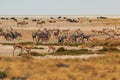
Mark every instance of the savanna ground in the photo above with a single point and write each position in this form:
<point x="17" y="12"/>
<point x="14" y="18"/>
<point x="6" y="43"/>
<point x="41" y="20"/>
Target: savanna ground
<point x="27" y="67"/>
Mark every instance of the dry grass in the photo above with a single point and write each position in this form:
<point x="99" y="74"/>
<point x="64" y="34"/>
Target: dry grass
<point x="108" y="43"/>
<point x="25" y="67"/>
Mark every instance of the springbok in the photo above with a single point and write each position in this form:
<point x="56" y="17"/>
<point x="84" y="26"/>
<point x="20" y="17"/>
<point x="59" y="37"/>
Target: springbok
<point x="52" y="48"/>
<point x="40" y="23"/>
<point x="22" y="47"/>
<point x="22" y="23"/>
<point x="110" y="37"/>
<point x="92" y="39"/>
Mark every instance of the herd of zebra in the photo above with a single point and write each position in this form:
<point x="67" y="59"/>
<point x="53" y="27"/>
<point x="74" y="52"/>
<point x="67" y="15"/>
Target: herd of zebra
<point x="63" y="36"/>
<point x="10" y="35"/>
<point x="75" y="36"/>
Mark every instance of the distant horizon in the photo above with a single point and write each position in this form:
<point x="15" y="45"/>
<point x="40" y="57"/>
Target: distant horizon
<point x="59" y="15"/>
<point x="92" y="16"/>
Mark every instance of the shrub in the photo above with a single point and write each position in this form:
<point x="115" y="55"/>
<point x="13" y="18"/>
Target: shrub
<point x="3" y="74"/>
<point x="103" y="75"/>
<point x="109" y="49"/>
<point x="26" y="43"/>
<point x="31" y="53"/>
<point x="62" y="65"/>
<point x="109" y="43"/>
<point x="38" y="48"/>
<point x="75" y="44"/>
<point x="61" y="49"/>
<point x="114" y="78"/>
<point x="47" y="44"/>
<point x="18" y="78"/>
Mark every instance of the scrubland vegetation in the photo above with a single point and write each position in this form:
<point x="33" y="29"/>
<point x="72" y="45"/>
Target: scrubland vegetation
<point x="26" y="67"/>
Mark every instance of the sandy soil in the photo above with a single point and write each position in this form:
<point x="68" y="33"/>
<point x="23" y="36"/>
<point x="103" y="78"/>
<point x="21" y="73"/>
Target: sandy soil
<point x="7" y="50"/>
<point x="69" y="56"/>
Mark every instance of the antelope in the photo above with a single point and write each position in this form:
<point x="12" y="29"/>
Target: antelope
<point x="80" y="39"/>
<point x="110" y="37"/>
<point x="94" y="31"/>
<point x="22" y="47"/>
<point x="92" y="39"/>
<point x="100" y="32"/>
<point x="40" y="23"/>
<point x="68" y="40"/>
<point x="117" y="34"/>
<point x="52" y="48"/>
<point x="22" y="23"/>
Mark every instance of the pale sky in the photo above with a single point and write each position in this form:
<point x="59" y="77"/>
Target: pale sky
<point x="59" y="7"/>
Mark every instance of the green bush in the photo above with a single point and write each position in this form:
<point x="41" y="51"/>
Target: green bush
<point x="61" y="49"/>
<point x="7" y="43"/>
<point x="3" y="74"/>
<point x="75" y="44"/>
<point x="38" y="48"/>
<point x="18" y="78"/>
<point x="47" y="44"/>
<point x="109" y="49"/>
<point x="109" y="43"/>
<point x="30" y="56"/>
<point x="26" y="43"/>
